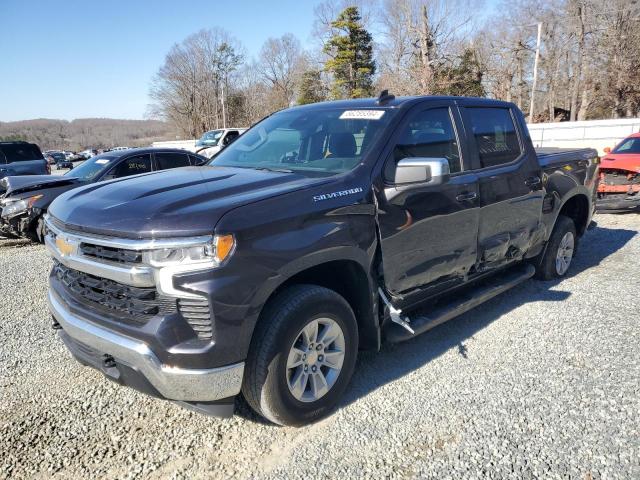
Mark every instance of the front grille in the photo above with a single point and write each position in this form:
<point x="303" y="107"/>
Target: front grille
<point x="196" y="313"/>
<point x="619" y="177"/>
<point x="135" y="303"/>
<point x="118" y="255"/>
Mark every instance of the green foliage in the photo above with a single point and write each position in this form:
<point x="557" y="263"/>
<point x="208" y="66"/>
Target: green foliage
<point x="312" y="89"/>
<point x="462" y="79"/>
<point x="13" y="138"/>
<point x="351" y="52"/>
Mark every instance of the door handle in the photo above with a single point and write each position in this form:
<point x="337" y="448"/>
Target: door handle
<point x="465" y="197"/>
<point x="532" y="181"/>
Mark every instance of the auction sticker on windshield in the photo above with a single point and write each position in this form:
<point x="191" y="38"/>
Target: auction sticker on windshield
<point x="362" y="115"/>
<point x="102" y="161"/>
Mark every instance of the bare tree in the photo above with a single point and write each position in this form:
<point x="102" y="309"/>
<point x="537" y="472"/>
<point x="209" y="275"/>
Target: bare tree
<point x="281" y="67"/>
<point x="421" y="37"/>
<point x="188" y="89"/>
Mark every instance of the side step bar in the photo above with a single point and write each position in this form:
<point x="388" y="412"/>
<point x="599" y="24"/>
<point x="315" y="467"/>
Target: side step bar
<point x="466" y="301"/>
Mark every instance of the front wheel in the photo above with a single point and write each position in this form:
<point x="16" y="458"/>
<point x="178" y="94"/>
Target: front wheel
<point x="302" y="356"/>
<point x="557" y="257"/>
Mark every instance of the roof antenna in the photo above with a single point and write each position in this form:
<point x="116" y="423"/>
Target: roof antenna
<point x="385" y="97"/>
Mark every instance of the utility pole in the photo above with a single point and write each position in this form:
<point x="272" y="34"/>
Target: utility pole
<point x="535" y="74"/>
<point x="224" y="116"/>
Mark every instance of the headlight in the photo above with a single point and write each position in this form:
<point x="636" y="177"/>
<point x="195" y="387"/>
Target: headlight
<point x="213" y="253"/>
<point x="12" y="207"/>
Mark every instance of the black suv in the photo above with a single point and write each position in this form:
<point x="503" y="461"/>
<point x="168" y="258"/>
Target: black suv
<point x="21" y="158"/>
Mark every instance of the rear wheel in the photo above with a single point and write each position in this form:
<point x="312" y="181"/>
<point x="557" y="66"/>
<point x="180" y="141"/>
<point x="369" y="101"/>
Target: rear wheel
<point x="557" y="257"/>
<point x="302" y="356"/>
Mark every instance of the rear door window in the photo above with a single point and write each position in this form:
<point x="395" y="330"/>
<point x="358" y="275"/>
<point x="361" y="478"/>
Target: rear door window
<point x="495" y="135"/>
<point x="171" y="160"/>
<point x="19" y="152"/>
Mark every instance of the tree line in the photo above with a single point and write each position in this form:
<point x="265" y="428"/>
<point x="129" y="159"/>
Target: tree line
<point x="588" y="67"/>
<point x="84" y="133"/>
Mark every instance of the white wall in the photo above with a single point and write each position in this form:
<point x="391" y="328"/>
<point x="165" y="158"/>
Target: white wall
<point x="185" y="144"/>
<point x="591" y="133"/>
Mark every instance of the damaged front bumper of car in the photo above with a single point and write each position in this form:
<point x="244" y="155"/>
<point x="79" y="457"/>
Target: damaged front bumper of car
<point x="18" y="217"/>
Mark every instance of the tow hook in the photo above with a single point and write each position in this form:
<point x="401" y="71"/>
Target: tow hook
<point x="55" y="325"/>
<point x="395" y="313"/>
<point x="108" y="361"/>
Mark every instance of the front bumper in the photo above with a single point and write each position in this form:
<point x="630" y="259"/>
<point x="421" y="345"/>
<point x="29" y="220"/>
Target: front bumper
<point x="194" y="386"/>
<point x="618" y="203"/>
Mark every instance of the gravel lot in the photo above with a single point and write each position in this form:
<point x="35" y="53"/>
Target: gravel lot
<point x="543" y="381"/>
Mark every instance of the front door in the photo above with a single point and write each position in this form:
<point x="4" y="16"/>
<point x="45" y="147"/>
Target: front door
<point x="428" y="233"/>
<point x="509" y="182"/>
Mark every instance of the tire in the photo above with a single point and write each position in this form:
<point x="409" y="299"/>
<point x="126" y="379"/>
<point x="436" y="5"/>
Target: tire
<point x="36" y="233"/>
<point x="549" y="266"/>
<point x="269" y="386"/>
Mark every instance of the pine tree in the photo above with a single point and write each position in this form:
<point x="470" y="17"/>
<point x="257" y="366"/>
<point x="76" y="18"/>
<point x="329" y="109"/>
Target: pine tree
<point x="463" y="79"/>
<point x="351" y="52"/>
<point x="312" y="89"/>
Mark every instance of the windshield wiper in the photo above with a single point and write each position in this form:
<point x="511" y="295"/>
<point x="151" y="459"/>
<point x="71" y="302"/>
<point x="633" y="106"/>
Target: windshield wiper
<point x="271" y="169"/>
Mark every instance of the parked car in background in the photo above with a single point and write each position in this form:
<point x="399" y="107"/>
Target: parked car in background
<point x="61" y="160"/>
<point x="619" y="187"/>
<point x="27" y="198"/>
<point x="323" y="230"/>
<point x="215" y="140"/>
<point x="50" y="160"/>
<point x="22" y="158"/>
<point x="88" y="153"/>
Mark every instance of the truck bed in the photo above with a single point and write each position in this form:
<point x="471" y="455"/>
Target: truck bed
<point x="551" y="156"/>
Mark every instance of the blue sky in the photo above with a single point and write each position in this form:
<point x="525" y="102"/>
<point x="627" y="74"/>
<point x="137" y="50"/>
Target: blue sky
<point x="73" y="59"/>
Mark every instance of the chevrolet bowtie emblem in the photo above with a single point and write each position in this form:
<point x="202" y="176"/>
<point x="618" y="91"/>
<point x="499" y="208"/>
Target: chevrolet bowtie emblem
<point x="64" y="247"/>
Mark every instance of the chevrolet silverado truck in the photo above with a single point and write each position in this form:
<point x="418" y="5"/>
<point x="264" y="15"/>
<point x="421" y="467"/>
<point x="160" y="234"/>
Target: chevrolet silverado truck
<point x="26" y="198"/>
<point x="325" y="229"/>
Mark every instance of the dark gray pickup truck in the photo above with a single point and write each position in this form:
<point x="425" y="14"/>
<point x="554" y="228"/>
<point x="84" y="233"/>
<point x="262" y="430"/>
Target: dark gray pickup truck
<point x="324" y="230"/>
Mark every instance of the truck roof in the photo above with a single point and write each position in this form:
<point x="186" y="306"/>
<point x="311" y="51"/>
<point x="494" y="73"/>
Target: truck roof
<point x="397" y="102"/>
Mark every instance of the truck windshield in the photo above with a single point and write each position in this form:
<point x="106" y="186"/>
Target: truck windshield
<point x="310" y="142"/>
<point x="630" y="145"/>
<point x="210" y="138"/>
<point x="90" y="169"/>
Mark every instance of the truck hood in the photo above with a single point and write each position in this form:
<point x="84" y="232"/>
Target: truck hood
<point x="16" y="185"/>
<point x="179" y="202"/>
<point x="621" y="161"/>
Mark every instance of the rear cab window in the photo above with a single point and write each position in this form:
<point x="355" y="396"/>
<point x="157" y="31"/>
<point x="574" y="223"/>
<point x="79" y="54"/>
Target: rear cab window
<point x="495" y="135"/>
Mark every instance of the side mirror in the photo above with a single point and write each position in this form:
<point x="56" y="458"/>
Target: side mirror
<point x="422" y="171"/>
<point x="607" y="150"/>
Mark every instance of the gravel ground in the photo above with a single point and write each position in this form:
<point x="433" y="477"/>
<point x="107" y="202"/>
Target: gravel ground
<point x="543" y="381"/>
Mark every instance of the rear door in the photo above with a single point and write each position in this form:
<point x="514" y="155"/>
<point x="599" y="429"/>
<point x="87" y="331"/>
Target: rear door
<point x="429" y="233"/>
<point x="509" y="183"/>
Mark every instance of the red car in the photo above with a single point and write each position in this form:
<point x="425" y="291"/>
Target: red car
<point x="619" y="187"/>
